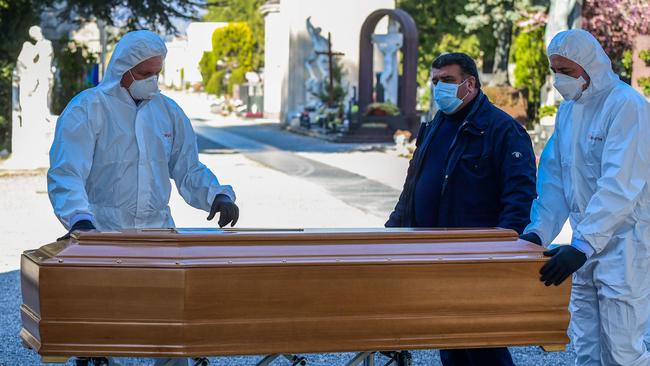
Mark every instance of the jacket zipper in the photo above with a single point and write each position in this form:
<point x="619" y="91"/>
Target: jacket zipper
<point x="461" y="129"/>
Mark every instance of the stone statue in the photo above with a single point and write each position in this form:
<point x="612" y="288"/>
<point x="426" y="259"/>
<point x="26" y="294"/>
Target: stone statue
<point x="35" y="74"/>
<point x="33" y="125"/>
<point x="563" y="15"/>
<point x="317" y="64"/>
<point x="389" y="44"/>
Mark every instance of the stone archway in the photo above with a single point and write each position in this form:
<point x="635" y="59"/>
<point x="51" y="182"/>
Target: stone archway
<point x="407" y="83"/>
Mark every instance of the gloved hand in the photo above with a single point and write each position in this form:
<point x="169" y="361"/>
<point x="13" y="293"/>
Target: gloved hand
<point x="81" y="225"/>
<point x="229" y="212"/>
<point x="565" y="260"/>
<point x="531" y="237"/>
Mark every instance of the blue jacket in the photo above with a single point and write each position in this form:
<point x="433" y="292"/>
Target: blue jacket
<point x="489" y="177"/>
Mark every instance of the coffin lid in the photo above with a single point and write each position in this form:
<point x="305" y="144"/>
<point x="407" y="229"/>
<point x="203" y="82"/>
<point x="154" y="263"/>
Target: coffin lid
<point x="179" y="248"/>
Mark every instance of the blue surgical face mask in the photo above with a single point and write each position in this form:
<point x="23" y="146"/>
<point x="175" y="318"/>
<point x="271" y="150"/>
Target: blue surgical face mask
<point x="446" y="96"/>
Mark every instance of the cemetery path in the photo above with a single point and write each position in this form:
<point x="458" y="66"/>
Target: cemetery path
<point x="279" y="150"/>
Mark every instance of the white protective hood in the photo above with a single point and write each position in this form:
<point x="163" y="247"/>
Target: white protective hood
<point x="131" y="50"/>
<point x="582" y="48"/>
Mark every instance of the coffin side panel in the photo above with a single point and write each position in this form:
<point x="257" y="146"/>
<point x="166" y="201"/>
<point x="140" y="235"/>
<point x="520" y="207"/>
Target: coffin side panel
<point x="31" y="308"/>
<point x="299" y="309"/>
<point x="95" y="308"/>
<point x="367" y="307"/>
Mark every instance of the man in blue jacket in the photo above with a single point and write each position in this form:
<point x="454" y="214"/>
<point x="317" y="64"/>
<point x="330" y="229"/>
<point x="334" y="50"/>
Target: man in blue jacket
<point x="474" y="166"/>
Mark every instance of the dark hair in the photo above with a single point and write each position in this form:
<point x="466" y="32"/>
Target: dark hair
<point x="466" y="64"/>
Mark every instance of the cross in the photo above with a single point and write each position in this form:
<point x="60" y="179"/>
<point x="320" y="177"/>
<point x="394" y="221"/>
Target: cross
<point x="330" y="55"/>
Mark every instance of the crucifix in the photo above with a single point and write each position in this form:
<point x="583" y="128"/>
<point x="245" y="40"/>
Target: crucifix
<point x="330" y="56"/>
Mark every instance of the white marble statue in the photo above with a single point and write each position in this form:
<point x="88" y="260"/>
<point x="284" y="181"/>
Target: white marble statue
<point x="34" y="125"/>
<point x="563" y="15"/>
<point x="389" y="44"/>
<point x="317" y="64"/>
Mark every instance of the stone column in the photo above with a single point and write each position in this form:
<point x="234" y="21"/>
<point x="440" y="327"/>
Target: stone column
<point x="276" y="56"/>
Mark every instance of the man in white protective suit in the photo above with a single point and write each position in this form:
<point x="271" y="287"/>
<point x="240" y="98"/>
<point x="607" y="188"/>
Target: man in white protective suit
<point x="595" y="171"/>
<point x="117" y="145"/>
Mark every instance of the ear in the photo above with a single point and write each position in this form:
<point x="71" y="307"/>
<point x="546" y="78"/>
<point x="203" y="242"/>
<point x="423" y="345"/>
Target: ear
<point x="471" y="83"/>
<point x="126" y="80"/>
<point x="587" y="79"/>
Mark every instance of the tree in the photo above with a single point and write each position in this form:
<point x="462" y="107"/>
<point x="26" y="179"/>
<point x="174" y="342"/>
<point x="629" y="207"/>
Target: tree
<point x="615" y="23"/>
<point x="74" y="62"/>
<point x="499" y="15"/>
<point x="232" y="55"/>
<point x="439" y="32"/>
<point x="16" y="16"/>
<point x="241" y="11"/>
<point x="529" y="54"/>
<point x="138" y="14"/>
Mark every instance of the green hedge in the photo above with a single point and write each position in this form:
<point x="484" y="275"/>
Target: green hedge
<point x="531" y="66"/>
<point x="233" y="46"/>
<point x="74" y="62"/>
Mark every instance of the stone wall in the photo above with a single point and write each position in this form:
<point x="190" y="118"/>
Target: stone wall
<point x="639" y="68"/>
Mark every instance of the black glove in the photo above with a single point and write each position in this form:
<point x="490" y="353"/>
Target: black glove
<point x="565" y="260"/>
<point x="531" y="237"/>
<point x="81" y="225"/>
<point x="228" y="209"/>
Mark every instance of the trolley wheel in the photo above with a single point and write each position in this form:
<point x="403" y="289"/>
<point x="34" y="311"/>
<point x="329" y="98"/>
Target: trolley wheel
<point x="201" y="361"/>
<point x="404" y="358"/>
<point x="82" y="361"/>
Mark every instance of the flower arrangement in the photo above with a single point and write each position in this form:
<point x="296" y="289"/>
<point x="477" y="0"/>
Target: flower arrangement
<point x="382" y="109"/>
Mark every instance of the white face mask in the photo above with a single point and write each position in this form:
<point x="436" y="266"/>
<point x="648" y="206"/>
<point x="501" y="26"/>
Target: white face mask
<point x="569" y="87"/>
<point x="145" y="88"/>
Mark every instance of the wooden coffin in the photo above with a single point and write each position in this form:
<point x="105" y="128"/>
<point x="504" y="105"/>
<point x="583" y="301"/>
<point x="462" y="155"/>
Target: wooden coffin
<point x="198" y="293"/>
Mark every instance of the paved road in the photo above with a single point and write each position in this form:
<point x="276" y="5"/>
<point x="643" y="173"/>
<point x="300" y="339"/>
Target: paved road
<point x="275" y="149"/>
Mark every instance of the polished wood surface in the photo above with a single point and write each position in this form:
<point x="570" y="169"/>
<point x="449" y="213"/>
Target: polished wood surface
<point x="193" y="292"/>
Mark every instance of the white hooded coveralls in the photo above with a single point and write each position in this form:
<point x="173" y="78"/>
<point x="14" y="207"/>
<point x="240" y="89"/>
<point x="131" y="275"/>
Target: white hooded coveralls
<point x="595" y="171"/>
<point x="112" y="159"/>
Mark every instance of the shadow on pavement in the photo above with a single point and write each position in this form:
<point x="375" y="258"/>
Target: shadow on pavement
<point x="271" y="134"/>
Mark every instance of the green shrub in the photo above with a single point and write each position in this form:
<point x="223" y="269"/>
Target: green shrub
<point x="644" y="55"/>
<point x="215" y="84"/>
<point x="626" y="65"/>
<point x="6" y="69"/>
<point x="232" y="49"/>
<point x="547" y="111"/>
<point x="74" y="63"/>
<point x="644" y="83"/>
<point x="234" y="45"/>
<point x="531" y="66"/>
<point x="207" y="66"/>
<point x="338" y="93"/>
<point x="238" y="76"/>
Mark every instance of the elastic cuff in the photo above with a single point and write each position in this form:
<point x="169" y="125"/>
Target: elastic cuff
<point x="583" y="246"/>
<point x="81" y="216"/>
<point x="538" y="234"/>
<point x="215" y="190"/>
<point x="531" y="237"/>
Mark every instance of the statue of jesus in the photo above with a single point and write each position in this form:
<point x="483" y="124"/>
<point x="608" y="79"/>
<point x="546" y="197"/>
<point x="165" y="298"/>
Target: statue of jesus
<point x="389" y="44"/>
